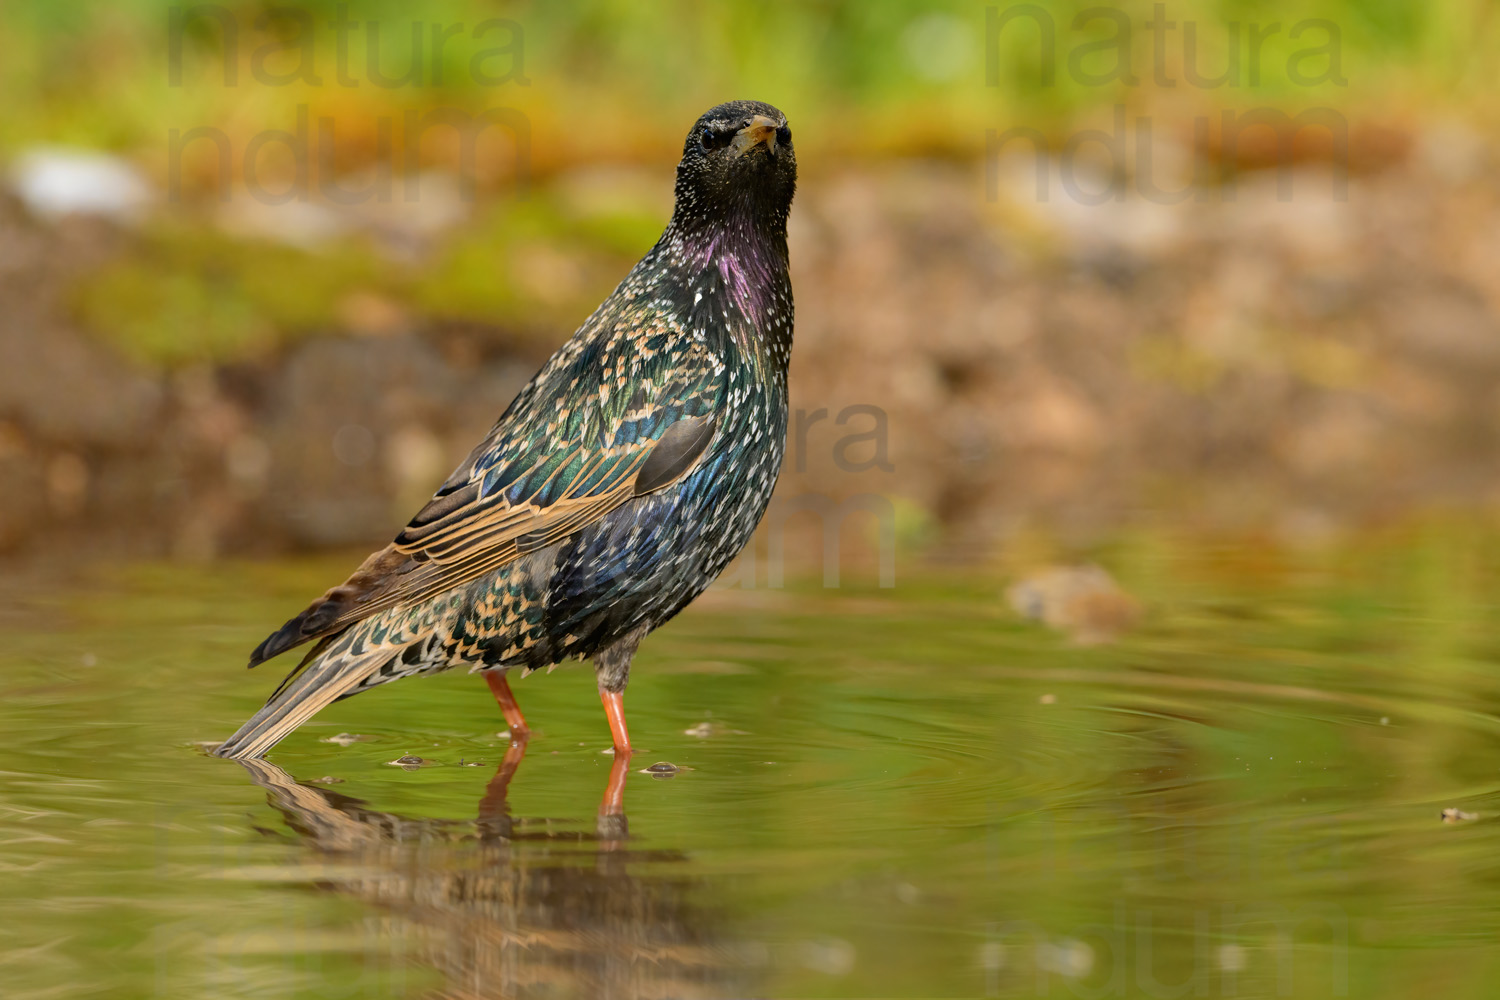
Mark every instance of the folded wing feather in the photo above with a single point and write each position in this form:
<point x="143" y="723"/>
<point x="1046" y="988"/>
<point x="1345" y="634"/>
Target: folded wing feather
<point x="545" y="490"/>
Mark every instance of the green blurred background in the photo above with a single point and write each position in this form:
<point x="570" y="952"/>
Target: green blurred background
<point x="187" y="341"/>
<point x="602" y="83"/>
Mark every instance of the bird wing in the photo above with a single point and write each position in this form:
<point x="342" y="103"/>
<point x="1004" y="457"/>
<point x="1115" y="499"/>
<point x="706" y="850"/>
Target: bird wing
<point x="606" y="420"/>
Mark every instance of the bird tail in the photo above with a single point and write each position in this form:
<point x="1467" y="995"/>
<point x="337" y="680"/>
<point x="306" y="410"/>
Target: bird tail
<point x="330" y="675"/>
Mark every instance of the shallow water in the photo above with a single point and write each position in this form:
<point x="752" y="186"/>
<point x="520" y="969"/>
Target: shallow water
<point x="898" y="793"/>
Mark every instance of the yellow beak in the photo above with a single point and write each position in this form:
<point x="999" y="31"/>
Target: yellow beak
<point x="760" y="132"/>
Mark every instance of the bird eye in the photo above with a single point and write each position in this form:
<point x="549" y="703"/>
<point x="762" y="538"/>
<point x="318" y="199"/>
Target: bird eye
<point x="784" y="135"/>
<point x="711" y="139"/>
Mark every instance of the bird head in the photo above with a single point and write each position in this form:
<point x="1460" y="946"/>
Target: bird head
<point x="738" y="163"/>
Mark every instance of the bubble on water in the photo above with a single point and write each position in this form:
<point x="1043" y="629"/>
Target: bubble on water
<point x="751" y="953"/>
<point x="705" y="730"/>
<point x="1069" y="957"/>
<point x="830" y="956"/>
<point x="1232" y="957"/>
<point x="409" y="762"/>
<point x="344" y="739"/>
<point x="991" y="956"/>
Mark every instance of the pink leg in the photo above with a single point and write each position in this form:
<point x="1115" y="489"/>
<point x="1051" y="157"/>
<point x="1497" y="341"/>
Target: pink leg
<point x="519" y="730"/>
<point x="614" y="710"/>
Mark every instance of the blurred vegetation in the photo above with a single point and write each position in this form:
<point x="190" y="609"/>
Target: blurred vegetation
<point x="610" y="81"/>
<point x="613" y="79"/>
<point x="190" y="292"/>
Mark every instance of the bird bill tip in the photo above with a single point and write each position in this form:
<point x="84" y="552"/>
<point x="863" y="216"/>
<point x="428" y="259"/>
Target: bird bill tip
<point x="761" y="131"/>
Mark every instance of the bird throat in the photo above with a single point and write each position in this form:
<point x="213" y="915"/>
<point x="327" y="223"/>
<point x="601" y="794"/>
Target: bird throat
<point x="738" y="271"/>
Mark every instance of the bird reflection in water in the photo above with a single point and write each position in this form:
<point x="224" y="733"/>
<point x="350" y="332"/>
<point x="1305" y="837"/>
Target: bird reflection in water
<point x="506" y="906"/>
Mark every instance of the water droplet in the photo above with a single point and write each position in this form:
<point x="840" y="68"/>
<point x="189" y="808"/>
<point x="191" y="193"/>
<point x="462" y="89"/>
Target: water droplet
<point x="409" y="762"/>
<point x="344" y="739"/>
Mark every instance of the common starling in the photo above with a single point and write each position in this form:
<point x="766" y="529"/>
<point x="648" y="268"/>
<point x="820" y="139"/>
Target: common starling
<point x="617" y="485"/>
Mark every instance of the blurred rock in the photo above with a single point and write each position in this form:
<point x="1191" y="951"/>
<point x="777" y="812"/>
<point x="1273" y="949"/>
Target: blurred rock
<point x="1280" y="353"/>
<point x="67" y="483"/>
<point x="1083" y="601"/>
<point x="332" y="414"/>
<point x="55" y="182"/>
<point x="68" y="390"/>
<point x="1454" y="151"/>
<point x="1445" y="324"/>
<point x="305" y="224"/>
<point x="420" y="210"/>
<point x="403" y="216"/>
<point x="373" y="315"/>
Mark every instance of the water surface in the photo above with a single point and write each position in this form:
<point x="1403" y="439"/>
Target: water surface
<point x="884" y="793"/>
